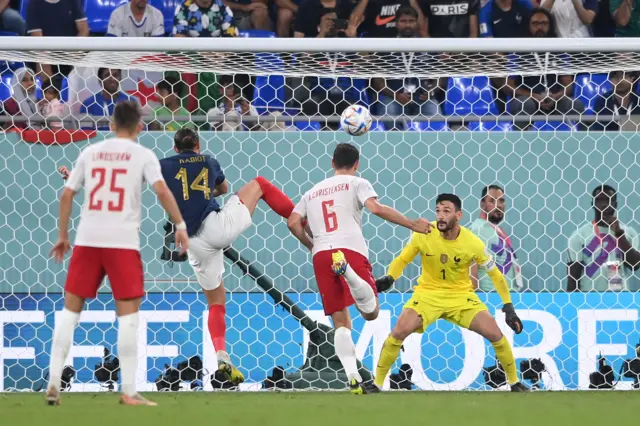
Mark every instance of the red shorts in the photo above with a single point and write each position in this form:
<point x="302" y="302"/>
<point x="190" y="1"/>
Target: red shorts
<point x="89" y="265"/>
<point x="334" y="290"/>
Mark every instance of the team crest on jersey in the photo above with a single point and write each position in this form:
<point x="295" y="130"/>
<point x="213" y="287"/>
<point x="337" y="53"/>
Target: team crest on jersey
<point x="444" y="258"/>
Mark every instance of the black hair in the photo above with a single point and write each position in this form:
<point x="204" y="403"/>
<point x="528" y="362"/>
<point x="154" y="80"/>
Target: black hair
<point x="604" y="188"/>
<point x="127" y="115"/>
<point x="170" y="84"/>
<point x="103" y="70"/>
<point x="54" y="85"/>
<point x="186" y="139"/>
<point x="552" y="22"/>
<point x="487" y="188"/>
<point x="345" y="156"/>
<point x="406" y="10"/>
<point x="457" y="202"/>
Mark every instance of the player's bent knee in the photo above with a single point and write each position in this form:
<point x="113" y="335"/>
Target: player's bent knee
<point x="371" y="315"/>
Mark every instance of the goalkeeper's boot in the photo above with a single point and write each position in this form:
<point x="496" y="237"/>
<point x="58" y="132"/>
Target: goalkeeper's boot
<point x="136" y="399"/>
<point x="339" y="265"/>
<point x="230" y="372"/>
<point x="53" y="396"/>
<point x="519" y="387"/>
<point x="356" y="387"/>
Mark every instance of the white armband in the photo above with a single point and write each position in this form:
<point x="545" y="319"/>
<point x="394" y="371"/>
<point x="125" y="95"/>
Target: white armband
<point x="181" y="226"/>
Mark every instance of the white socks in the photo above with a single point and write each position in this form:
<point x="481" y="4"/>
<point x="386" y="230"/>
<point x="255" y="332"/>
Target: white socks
<point x="66" y="323"/>
<point x="346" y="351"/>
<point x="361" y="291"/>
<point x="128" y="351"/>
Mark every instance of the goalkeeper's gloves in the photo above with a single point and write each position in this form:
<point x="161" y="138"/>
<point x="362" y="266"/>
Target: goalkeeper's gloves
<point x="384" y="283"/>
<point x="511" y="318"/>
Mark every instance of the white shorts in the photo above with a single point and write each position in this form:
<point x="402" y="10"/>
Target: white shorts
<point x="217" y="231"/>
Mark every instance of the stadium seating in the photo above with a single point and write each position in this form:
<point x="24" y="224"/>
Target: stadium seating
<point x="269" y="93"/>
<point x="469" y="95"/>
<point x="257" y="34"/>
<point x="424" y="126"/>
<point x="5" y="86"/>
<point x="553" y="126"/>
<point x="98" y="13"/>
<point x="312" y="126"/>
<point x="587" y="87"/>
<point x="490" y="126"/>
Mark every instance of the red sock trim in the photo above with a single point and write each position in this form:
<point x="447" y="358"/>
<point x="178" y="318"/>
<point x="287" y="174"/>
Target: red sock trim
<point x="275" y="198"/>
<point x="218" y="327"/>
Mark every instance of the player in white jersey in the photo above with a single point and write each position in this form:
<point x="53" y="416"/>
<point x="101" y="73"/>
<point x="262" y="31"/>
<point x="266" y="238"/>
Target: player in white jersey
<point x="333" y="209"/>
<point x="107" y="242"/>
<point x="136" y="19"/>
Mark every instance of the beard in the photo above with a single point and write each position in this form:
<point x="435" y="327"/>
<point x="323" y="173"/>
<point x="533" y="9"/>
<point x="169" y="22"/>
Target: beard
<point x="495" y="217"/>
<point x="444" y="226"/>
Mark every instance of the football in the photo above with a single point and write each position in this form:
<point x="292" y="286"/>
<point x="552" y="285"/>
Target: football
<point x="356" y="120"/>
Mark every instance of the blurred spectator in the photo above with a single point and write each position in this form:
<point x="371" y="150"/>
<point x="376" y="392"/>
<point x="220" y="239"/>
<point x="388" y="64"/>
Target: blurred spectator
<point x="287" y="10"/>
<point x="103" y="102"/>
<point x="323" y="18"/>
<point x="324" y="96"/>
<point x="602" y="254"/>
<point x="51" y="106"/>
<point x="377" y="18"/>
<point x="171" y="107"/>
<point x="504" y="18"/>
<point x="451" y="18"/>
<point x="232" y="105"/>
<point x="136" y="19"/>
<point x="493" y="208"/>
<point x="603" y="25"/>
<point x="409" y="95"/>
<point x="61" y="18"/>
<point x="204" y="18"/>
<point x="250" y="14"/>
<point x="621" y="101"/>
<point x="23" y="101"/>
<point x="11" y="20"/>
<point x="573" y="18"/>
<point x="626" y="14"/>
<point x="542" y="94"/>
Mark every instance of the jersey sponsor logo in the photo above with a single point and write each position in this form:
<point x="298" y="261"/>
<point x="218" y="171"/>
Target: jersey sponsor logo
<point x="497" y="21"/>
<point x="449" y="9"/>
<point x="444" y="258"/>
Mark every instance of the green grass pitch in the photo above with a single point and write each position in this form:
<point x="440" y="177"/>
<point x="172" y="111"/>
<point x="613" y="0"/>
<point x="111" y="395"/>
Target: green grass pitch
<point x="329" y="409"/>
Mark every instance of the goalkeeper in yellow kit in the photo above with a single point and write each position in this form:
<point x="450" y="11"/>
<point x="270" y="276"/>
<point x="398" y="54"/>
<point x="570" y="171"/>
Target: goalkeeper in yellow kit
<point x="445" y="291"/>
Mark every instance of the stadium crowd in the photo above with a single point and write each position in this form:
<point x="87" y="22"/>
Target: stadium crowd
<point x="49" y="90"/>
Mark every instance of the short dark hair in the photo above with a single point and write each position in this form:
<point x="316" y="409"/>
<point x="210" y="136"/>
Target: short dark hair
<point x="487" y="188"/>
<point x="170" y="84"/>
<point x="186" y="139"/>
<point x="127" y="115"/>
<point x="452" y="198"/>
<point x="604" y="188"/>
<point x="345" y="156"/>
<point x="102" y="70"/>
<point x="406" y="10"/>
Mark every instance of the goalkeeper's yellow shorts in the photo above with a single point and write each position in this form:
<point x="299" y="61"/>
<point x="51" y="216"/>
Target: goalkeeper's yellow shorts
<point x="457" y="308"/>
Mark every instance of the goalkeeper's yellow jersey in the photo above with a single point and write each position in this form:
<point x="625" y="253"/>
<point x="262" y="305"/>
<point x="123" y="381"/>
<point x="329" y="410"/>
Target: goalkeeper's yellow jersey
<point x="445" y="263"/>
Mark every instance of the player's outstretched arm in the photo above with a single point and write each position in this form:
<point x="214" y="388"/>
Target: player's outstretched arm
<point x="168" y="202"/>
<point x="409" y="252"/>
<point x="392" y="215"/>
<point x="62" y="245"/>
<point x="296" y="226"/>
<point x="511" y="318"/>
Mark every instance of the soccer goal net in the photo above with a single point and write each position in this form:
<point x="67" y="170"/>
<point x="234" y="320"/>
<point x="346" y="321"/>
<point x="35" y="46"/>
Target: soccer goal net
<point x="525" y="131"/>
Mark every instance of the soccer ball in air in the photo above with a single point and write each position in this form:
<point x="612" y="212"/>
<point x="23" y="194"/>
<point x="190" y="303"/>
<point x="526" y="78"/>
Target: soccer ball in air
<point x="356" y="120"/>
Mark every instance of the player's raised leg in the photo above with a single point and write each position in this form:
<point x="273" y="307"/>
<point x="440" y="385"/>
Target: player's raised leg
<point x="362" y="290"/>
<point x="261" y="188"/>
<point x="486" y="326"/>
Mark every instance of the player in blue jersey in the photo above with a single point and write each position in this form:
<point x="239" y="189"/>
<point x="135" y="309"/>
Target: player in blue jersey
<point x="196" y="180"/>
